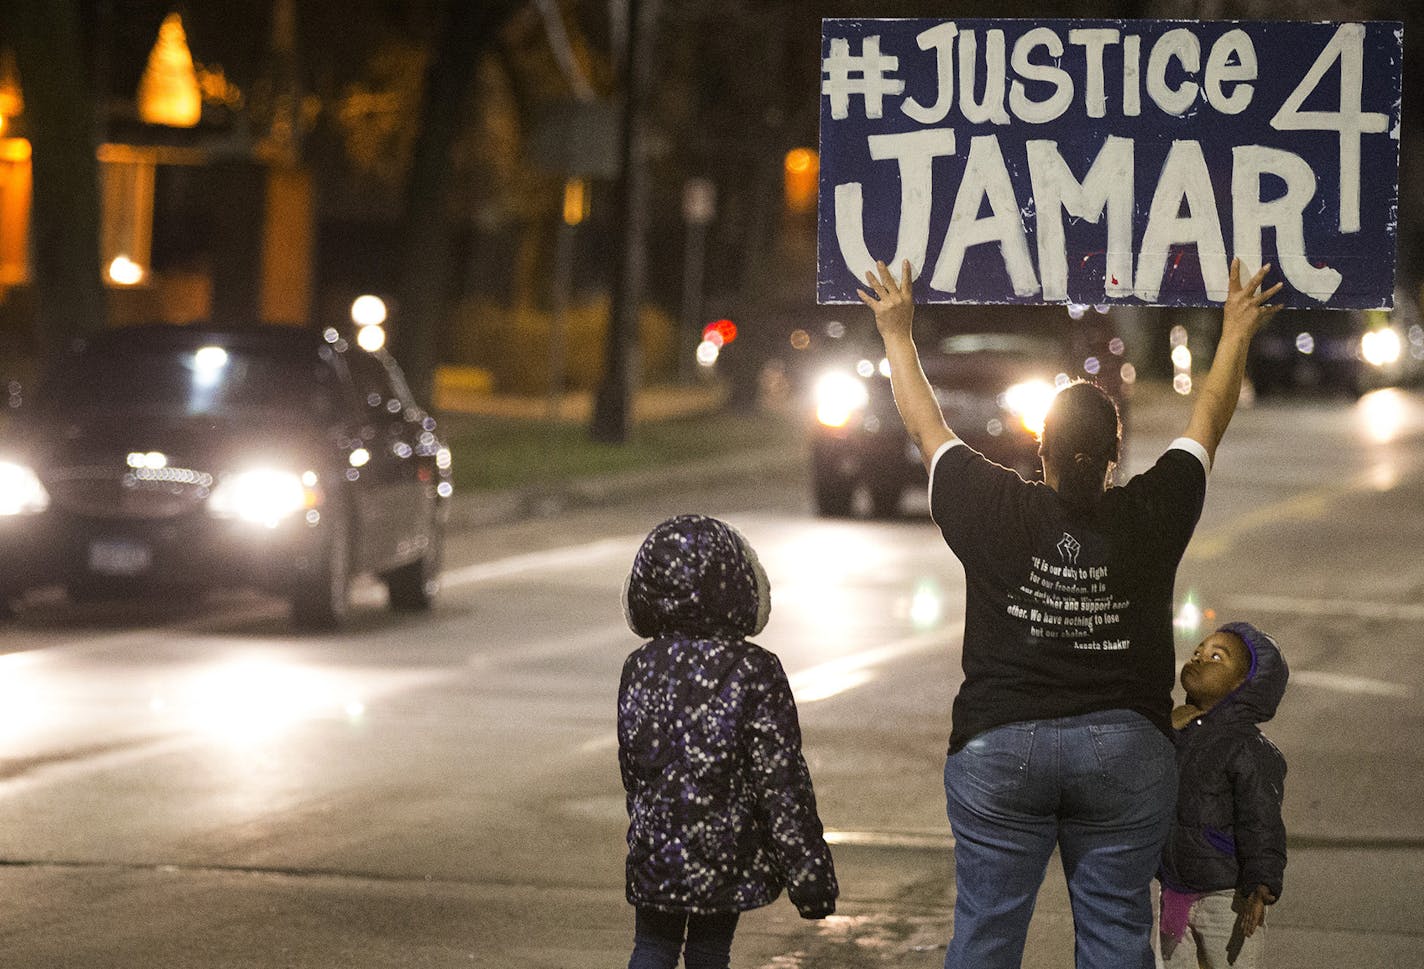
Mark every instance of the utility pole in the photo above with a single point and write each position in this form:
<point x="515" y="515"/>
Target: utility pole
<point x="612" y="402"/>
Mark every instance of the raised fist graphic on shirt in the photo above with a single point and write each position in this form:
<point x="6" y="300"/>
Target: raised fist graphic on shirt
<point x="1068" y="548"/>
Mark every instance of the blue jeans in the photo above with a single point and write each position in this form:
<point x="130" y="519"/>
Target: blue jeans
<point x="658" y="939"/>
<point x="1102" y="787"/>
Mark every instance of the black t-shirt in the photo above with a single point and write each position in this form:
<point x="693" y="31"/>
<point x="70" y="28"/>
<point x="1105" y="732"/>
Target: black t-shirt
<point x="1065" y="614"/>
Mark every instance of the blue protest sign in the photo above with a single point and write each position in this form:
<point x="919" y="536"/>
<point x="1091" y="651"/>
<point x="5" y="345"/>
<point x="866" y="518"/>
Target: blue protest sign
<point x="1110" y="161"/>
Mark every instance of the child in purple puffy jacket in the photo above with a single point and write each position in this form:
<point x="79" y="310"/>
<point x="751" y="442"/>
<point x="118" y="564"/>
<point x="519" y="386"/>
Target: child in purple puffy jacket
<point x="721" y="812"/>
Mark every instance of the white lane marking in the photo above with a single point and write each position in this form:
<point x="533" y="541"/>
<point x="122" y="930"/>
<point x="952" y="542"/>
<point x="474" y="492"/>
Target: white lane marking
<point x="554" y="558"/>
<point x="1353" y="608"/>
<point x="1305" y="506"/>
<point x="932" y="840"/>
<point x="844" y="673"/>
<point x="600" y="744"/>
<point x="1359" y="685"/>
<point x="202" y="705"/>
<point x="834" y="676"/>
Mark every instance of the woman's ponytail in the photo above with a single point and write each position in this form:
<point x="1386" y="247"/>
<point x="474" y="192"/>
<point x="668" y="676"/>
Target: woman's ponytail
<point x="1081" y="438"/>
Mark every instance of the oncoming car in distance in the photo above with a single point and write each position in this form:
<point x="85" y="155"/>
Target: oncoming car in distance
<point x="194" y="457"/>
<point x="994" y="375"/>
<point x="1347" y="351"/>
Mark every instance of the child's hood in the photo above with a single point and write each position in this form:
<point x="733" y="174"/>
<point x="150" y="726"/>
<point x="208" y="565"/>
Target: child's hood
<point x="698" y="577"/>
<point x="1255" y="700"/>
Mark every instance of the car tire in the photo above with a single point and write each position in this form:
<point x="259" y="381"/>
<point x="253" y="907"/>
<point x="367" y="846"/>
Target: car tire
<point x="833" y="496"/>
<point x="414" y="586"/>
<point x="322" y="598"/>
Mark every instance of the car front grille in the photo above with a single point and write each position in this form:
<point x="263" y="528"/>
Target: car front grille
<point x="964" y="409"/>
<point x="130" y="493"/>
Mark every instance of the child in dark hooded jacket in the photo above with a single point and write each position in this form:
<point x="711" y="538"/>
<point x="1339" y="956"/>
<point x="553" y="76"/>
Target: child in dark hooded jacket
<point x="1226" y="854"/>
<point x="721" y="811"/>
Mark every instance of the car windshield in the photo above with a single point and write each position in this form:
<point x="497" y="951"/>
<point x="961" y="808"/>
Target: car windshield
<point x="206" y="380"/>
<point x="1006" y="344"/>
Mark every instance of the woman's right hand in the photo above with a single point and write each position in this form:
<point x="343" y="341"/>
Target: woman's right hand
<point x="893" y="302"/>
<point x="1245" y="312"/>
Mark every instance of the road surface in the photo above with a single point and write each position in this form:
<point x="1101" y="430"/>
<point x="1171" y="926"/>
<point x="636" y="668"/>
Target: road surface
<point x="188" y="784"/>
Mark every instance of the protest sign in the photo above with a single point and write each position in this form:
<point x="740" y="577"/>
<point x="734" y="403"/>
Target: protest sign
<point x="1118" y="162"/>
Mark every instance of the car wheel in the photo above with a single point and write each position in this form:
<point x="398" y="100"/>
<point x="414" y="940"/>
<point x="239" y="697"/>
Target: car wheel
<point x="833" y="496"/>
<point x="322" y="598"/>
<point x="414" y="586"/>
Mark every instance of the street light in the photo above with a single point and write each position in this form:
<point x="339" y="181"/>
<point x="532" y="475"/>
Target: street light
<point x="124" y="271"/>
<point x="368" y="313"/>
<point x="368" y="310"/>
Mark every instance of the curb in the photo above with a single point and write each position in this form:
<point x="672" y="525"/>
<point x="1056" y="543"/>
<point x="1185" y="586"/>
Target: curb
<point x="475" y="509"/>
<point x="499" y="507"/>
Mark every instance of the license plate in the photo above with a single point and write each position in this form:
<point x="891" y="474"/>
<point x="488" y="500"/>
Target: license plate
<point x="119" y="558"/>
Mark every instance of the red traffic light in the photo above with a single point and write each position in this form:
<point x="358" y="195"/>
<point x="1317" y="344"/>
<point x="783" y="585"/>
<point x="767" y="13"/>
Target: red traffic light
<point x="720" y="332"/>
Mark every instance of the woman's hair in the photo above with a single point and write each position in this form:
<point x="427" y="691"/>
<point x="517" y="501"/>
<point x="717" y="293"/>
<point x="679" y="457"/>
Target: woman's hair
<point x="1081" y="437"/>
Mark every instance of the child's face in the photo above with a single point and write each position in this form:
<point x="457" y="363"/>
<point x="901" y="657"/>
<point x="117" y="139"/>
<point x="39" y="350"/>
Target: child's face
<point x="1218" y="665"/>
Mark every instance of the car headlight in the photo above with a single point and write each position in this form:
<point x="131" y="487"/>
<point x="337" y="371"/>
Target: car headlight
<point x="1381" y="347"/>
<point x="1029" y="402"/>
<point x="21" y="492"/>
<point x="838" y="396"/>
<point x="263" y="496"/>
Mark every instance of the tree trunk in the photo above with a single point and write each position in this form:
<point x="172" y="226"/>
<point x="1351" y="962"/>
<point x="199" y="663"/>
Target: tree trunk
<point x="64" y="215"/>
<point x="468" y="29"/>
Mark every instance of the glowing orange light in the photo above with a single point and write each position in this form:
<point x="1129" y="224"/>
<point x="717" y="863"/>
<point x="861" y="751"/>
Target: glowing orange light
<point x="168" y="93"/>
<point x="12" y="100"/>
<point x="575" y="201"/>
<point x="802" y="171"/>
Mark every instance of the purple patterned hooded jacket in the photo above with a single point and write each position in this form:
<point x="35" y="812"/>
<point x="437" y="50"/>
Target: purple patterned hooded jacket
<point x="721" y="811"/>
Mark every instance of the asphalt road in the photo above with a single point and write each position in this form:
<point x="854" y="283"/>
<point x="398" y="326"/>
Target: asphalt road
<point x="190" y="785"/>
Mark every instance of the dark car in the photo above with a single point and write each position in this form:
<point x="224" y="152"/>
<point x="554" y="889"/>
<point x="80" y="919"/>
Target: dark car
<point x="994" y="375"/>
<point x="194" y="457"/>
<point x="1346" y="351"/>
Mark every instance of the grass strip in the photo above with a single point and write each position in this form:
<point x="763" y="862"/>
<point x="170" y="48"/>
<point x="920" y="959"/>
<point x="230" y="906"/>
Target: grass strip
<point x="502" y="452"/>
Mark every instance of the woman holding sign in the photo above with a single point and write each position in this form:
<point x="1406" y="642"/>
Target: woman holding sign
<point x="1061" y="729"/>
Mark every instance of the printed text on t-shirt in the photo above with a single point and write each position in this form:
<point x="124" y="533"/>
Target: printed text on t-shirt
<point x="1070" y="602"/>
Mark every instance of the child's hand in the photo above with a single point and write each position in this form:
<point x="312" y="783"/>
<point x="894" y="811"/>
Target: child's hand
<point x="1253" y="910"/>
<point x="1250" y="915"/>
<point x="1184" y="715"/>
